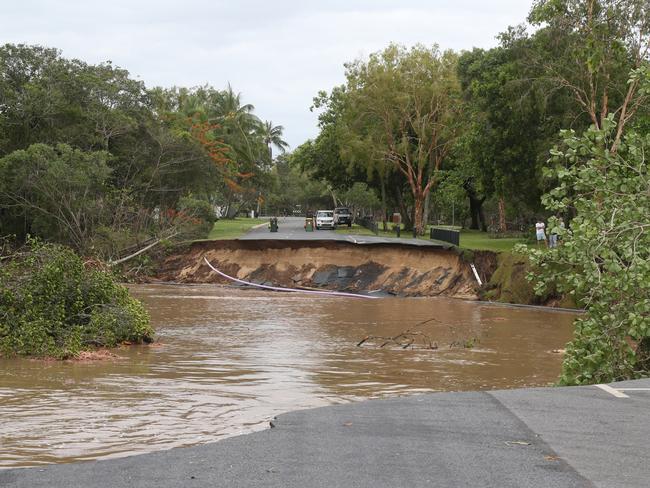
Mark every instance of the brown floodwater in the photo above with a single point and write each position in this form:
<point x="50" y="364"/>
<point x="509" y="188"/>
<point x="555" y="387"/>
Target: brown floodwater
<point x="228" y="360"/>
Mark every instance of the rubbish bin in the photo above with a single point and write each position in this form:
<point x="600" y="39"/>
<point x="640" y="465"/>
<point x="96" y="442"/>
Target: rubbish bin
<point x="309" y="225"/>
<point x="273" y="224"/>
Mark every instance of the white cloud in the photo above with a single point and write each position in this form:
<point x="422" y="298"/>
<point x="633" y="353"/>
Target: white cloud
<point x="278" y="54"/>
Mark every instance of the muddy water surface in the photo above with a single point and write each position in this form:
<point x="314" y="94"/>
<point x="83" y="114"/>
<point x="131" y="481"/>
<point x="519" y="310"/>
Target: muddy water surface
<point x="228" y="360"/>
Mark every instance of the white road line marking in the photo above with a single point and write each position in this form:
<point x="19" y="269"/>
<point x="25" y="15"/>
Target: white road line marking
<point x="633" y="389"/>
<point x="612" y="391"/>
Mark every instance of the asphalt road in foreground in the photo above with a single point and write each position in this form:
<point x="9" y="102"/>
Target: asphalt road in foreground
<point x="292" y="228"/>
<point x="545" y="437"/>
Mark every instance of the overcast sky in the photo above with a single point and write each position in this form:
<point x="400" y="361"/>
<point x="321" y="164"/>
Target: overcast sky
<point x="278" y="54"/>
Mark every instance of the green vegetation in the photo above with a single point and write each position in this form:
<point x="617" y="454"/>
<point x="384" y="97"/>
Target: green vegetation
<point x="464" y="137"/>
<point x="604" y="261"/>
<point x="509" y="282"/>
<point x="93" y="159"/>
<point x="477" y="240"/>
<point x="52" y="304"/>
<point x="447" y="137"/>
<point x="232" y="229"/>
<point x="492" y="118"/>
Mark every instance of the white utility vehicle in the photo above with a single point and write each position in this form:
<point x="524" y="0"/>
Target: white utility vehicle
<point x="325" y="219"/>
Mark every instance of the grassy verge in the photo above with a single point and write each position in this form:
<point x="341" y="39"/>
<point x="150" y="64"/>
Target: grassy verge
<point x="232" y="229"/>
<point x="477" y="240"/>
<point x="469" y="239"/>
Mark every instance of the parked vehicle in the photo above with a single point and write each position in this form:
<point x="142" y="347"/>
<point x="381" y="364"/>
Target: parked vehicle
<point x="342" y="216"/>
<point x="325" y="219"/>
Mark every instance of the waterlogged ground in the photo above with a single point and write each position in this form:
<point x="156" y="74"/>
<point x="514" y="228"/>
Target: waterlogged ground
<point x="229" y="360"/>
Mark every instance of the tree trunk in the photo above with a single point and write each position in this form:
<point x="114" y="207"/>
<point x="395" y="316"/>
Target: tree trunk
<point x="425" y="216"/>
<point x="384" y="210"/>
<point x="475" y="207"/>
<point x="418" y="214"/>
<point x="481" y="214"/>
<point x="333" y="198"/>
<point x="474" y="213"/>
<point x="502" y="215"/>
<point x="406" y="217"/>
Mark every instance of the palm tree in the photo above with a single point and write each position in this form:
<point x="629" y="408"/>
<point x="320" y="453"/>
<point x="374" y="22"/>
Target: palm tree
<point x="272" y="136"/>
<point x="239" y="125"/>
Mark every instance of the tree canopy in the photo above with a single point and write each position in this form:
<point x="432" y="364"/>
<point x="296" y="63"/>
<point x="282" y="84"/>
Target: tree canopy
<point x="92" y="158"/>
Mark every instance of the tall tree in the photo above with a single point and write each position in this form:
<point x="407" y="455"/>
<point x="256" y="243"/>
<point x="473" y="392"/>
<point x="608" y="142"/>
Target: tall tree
<point x="405" y="102"/>
<point x="598" y="50"/>
<point x="272" y="136"/>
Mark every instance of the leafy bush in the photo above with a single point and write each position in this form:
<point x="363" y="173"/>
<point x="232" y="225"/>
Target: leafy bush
<point x="604" y="258"/>
<point x="54" y="305"/>
<point x="197" y="216"/>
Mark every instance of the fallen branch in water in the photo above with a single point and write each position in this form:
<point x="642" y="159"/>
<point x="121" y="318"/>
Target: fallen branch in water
<point x="409" y="338"/>
<point x="406" y="338"/>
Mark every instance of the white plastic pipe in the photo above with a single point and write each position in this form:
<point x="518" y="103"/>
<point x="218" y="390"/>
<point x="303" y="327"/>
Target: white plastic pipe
<point x="478" y="278"/>
<point x="294" y="290"/>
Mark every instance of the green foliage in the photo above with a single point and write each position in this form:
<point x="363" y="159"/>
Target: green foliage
<point x="293" y="190"/>
<point x="59" y="190"/>
<point x="405" y="103"/>
<point x="91" y="158"/>
<point x="361" y="198"/>
<point x="508" y="283"/>
<point x="53" y="305"/>
<point x="198" y="214"/>
<point x="587" y="48"/>
<point x="232" y="228"/>
<point x="604" y="259"/>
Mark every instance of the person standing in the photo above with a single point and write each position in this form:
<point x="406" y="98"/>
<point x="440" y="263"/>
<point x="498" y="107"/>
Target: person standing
<point x="540" y="228"/>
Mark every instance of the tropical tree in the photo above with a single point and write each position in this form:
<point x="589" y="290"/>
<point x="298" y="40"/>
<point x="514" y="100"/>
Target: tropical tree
<point x="509" y="123"/>
<point x="92" y="159"/>
<point x="272" y="136"/>
<point x="604" y="259"/>
<point x="405" y="102"/>
<point x="589" y="48"/>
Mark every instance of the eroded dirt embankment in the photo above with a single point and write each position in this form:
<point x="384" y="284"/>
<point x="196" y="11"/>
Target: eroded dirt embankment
<point x="336" y="265"/>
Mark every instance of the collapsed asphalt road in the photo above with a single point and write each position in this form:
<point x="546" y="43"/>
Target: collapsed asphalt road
<point x="546" y="437"/>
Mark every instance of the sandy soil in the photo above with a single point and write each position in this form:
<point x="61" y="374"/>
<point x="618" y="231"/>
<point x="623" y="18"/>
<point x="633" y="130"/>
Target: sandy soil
<point x="398" y="269"/>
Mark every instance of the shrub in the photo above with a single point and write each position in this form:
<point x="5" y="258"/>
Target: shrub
<point x="194" y="217"/>
<point x="54" y="305"/>
<point x="604" y="259"/>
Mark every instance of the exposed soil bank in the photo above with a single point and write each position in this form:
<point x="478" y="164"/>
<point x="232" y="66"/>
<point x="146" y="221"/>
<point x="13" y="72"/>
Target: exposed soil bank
<point x="336" y="265"/>
<point x="397" y="269"/>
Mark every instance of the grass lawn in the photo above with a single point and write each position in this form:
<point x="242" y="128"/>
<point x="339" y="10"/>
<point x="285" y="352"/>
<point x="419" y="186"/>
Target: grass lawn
<point x="469" y="239"/>
<point x="232" y="229"/>
<point x="477" y="240"/>
<point x="357" y="230"/>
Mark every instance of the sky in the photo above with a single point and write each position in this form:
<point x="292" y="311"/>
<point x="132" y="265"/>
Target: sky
<point x="278" y="54"/>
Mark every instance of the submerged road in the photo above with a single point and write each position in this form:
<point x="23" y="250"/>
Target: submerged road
<point x="292" y="228"/>
<point x="545" y="437"/>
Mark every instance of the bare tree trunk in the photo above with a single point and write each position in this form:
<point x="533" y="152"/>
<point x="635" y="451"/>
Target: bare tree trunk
<point x="406" y="217"/>
<point x="384" y="209"/>
<point x="481" y="214"/>
<point x="418" y="214"/>
<point x="333" y="198"/>
<point x="502" y="215"/>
